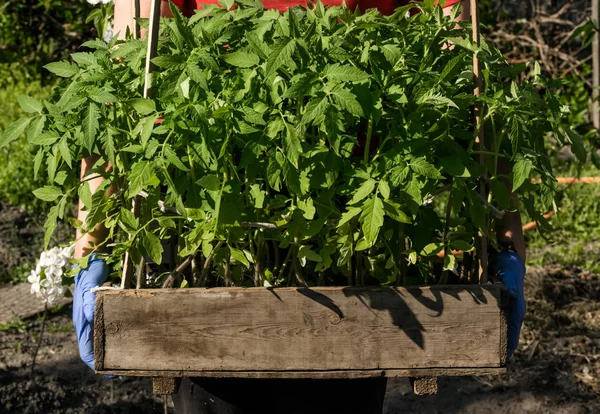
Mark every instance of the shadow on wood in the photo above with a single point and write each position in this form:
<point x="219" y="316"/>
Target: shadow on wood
<point x="302" y="333"/>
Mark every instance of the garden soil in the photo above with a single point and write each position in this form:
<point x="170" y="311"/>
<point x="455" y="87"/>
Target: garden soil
<point x="555" y="370"/>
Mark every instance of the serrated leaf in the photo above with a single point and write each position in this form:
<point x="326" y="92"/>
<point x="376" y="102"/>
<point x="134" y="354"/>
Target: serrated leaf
<point x="436" y="99"/>
<point x="345" y="73"/>
<point x="14" y="131"/>
<point x="142" y="106"/>
<point x="521" y="172"/>
<point x="172" y="157"/>
<point x="153" y="247"/>
<point x="365" y="189"/>
<point x="305" y="253"/>
<point x="315" y="107"/>
<point x="347" y="100"/>
<point x="35" y="128"/>
<point x="301" y="86"/>
<point x="394" y="211"/>
<point x="37" y="163"/>
<point x="62" y="69"/>
<point x="90" y="126"/>
<point x="29" y="104"/>
<point x="210" y="182"/>
<point x="291" y="145"/>
<point x="239" y="255"/>
<point x="129" y="220"/>
<point x="241" y="59"/>
<point x="372" y="219"/>
<point x="84" y="58"/>
<point x="424" y="168"/>
<point x="281" y="55"/>
<point x="47" y="193"/>
<point x="384" y="189"/>
<point x="349" y="215"/>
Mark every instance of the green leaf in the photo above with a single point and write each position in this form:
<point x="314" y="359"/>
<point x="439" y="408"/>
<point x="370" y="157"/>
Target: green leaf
<point x="44" y="139"/>
<point x="241" y="59"/>
<point x="449" y="262"/>
<point x="521" y="172"/>
<point x="84" y="59"/>
<point x="142" y="106"/>
<point x="384" y="189"/>
<point x="47" y="193"/>
<point x="461" y="245"/>
<point x="315" y="107"/>
<point x="365" y="189"/>
<point x="129" y="220"/>
<point x="35" y="128"/>
<point x="14" y="131"/>
<point x="142" y="174"/>
<point x="281" y="55"/>
<point x="432" y="249"/>
<point x="238" y="255"/>
<point x="90" y="127"/>
<point x="153" y="247"/>
<point x="291" y="145"/>
<point x="345" y="73"/>
<point x="347" y="100"/>
<point x="29" y="104"/>
<point x="349" y="215"/>
<point x="305" y="253"/>
<point x="301" y="86"/>
<point x="500" y="193"/>
<point x="422" y="167"/>
<point x="172" y="157"/>
<point x="393" y="211"/>
<point x="454" y="166"/>
<point x="372" y="219"/>
<point x="85" y="195"/>
<point x="210" y="182"/>
<point x="62" y="69"/>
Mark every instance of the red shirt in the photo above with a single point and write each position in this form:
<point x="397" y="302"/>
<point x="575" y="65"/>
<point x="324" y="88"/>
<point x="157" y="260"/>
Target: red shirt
<point x="386" y="7"/>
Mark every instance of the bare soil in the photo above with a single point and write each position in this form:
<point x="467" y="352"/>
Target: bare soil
<point x="555" y="370"/>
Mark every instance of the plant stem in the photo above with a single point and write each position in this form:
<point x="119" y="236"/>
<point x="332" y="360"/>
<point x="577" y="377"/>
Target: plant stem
<point x="297" y="272"/>
<point x="175" y="272"/>
<point x="228" y="271"/>
<point x="207" y="263"/>
<point x="368" y="143"/>
<point x="140" y="273"/>
<point x="285" y="262"/>
<point x="39" y="344"/>
<point x="402" y="248"/>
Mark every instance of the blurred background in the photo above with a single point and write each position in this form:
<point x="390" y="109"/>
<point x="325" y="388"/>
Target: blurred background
<point x="555" y="369"/>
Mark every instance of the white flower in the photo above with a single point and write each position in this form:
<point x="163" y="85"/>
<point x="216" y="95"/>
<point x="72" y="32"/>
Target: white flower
<point x="108" y="32"/>
<point x="46" y="280"/>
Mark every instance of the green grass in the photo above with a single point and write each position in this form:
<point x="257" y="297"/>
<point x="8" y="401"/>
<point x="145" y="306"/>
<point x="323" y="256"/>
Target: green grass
<point x="576" y="236"/>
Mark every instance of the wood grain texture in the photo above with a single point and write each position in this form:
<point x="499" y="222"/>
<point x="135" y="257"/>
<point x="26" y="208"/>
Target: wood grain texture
<point x="348" y="374"/>
<point x="339" y="332"/>
<point x="165" y="385"/>
<point x="99" y="333"/>
<point x="425" y="385"/>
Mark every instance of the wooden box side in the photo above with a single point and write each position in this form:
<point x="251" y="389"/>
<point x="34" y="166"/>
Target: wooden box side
<point x="295" y="332"/>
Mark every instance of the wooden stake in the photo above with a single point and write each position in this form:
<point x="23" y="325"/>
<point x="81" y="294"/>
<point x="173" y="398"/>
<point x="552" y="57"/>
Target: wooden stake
<point x="152" y="46"/>
<point x="595" y="67"/>
<point x="480" y="139"/>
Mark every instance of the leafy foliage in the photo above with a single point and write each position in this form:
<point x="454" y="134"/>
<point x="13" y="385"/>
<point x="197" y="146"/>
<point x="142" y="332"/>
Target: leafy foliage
<point x="302" y="146"/>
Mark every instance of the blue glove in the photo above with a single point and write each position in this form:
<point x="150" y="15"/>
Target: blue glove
<point x="83" y="306"/>
<point x="510" y="270"/>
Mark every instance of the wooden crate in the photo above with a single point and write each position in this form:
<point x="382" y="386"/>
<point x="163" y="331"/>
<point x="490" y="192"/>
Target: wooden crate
<point x="325" y="332"/>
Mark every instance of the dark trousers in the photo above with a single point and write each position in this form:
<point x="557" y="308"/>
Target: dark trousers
<point x="290" y="396"/>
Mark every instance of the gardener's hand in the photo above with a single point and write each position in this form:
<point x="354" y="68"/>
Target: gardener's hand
<point x="510" y="270"/>
<point x="83" y="306"/>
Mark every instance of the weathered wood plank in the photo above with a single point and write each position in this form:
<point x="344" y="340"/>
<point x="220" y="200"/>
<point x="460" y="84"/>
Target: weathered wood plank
<point x="425" y="385"/>
<point x="338" y="331"/>
<point x="348" y="374"/>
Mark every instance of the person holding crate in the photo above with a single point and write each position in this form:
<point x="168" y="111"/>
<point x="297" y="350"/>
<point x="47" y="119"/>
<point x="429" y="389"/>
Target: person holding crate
<point x="213" y="395"/>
